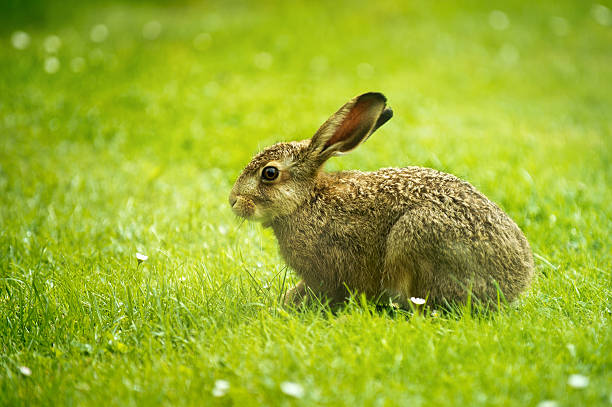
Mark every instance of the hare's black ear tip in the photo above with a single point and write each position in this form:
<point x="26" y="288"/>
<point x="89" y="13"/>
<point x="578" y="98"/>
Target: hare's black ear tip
<point x="386" y="114"/>
<point x="384" y="117"/>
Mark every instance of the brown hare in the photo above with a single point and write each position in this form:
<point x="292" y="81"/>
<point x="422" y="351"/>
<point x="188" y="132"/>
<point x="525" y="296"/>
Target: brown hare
<point x="390" y="234"/>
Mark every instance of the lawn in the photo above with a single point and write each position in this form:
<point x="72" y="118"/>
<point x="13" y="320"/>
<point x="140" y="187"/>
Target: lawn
<point x="124" y="126"/>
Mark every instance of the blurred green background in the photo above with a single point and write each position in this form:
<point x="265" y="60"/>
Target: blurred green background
<point x="124" y="125"/>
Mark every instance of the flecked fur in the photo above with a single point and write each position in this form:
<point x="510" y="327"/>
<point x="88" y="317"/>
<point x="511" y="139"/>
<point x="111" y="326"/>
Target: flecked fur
<point x="394" y="233"/>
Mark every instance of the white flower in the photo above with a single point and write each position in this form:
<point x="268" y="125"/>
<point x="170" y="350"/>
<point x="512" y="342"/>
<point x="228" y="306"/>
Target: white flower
<point x="52" y="65"/>
<point x="499" y="20"/>
<point x="548" y="403"/>
<point x="141" y="257"/>
<point x="417" y="300"/>
<point x="20" y="40"/>
<point x="26" y="371"/>
<point x="151" y="30"/>
<point x="221" y="388"/>
<point x="601" y="14"/>
<point x="578" y="381"/>
<point x="292" y="389"/>
<point x="52" y="44"/>
<point x="98" y="33"/>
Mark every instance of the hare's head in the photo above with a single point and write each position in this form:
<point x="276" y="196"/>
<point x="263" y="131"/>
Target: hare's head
<point x="281" y="178"/>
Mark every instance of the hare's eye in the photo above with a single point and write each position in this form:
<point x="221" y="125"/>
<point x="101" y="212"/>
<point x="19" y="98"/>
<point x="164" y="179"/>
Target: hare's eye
<point x="269" y="173"/>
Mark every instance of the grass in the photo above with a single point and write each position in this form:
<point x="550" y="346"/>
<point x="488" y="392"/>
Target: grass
<point x="137" y="153"/>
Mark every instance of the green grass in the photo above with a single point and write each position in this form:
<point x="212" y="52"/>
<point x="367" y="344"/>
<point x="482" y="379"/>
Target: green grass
<point x="138" y="151"/>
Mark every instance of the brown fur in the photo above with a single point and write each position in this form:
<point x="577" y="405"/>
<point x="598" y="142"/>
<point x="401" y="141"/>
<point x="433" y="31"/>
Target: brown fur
<point x="394" y="233"/>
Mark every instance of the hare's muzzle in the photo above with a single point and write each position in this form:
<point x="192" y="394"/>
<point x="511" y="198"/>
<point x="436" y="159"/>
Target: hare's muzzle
<point x="241" y="205"/>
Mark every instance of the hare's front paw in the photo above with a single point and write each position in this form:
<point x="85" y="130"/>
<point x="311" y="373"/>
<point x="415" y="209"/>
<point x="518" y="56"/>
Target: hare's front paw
<point x="296" y="296"/>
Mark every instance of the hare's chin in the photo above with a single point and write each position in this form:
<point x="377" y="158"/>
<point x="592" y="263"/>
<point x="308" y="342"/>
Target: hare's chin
<point x="252" y="216"/>
<point x="243" y="213"/>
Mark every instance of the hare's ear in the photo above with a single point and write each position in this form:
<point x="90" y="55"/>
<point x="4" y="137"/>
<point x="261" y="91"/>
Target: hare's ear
<point x="351" y="125"/>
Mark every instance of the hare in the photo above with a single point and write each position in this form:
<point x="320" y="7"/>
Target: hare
<point x="390" y="234"/>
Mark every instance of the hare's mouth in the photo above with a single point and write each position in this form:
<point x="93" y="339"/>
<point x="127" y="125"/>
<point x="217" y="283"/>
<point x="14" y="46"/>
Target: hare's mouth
<point x="245" y="208"/>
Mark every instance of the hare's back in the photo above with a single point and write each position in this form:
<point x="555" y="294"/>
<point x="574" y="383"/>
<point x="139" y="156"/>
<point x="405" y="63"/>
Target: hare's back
<point x="447" y="199"/>
<point x="412" y="186"/>
<point x="383" y="196"/>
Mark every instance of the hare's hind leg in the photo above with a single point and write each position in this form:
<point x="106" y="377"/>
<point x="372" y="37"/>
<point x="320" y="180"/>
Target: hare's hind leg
<point x="428" y="256"/>
<point x="400" y="263"/>
<point x="420" y="263"/>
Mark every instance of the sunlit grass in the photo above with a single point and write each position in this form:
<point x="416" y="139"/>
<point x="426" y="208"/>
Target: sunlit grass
<point x="125" y="279"/>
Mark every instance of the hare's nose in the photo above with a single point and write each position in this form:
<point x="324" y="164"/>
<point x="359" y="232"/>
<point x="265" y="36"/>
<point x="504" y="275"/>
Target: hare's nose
<point x="232" y="200"/>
